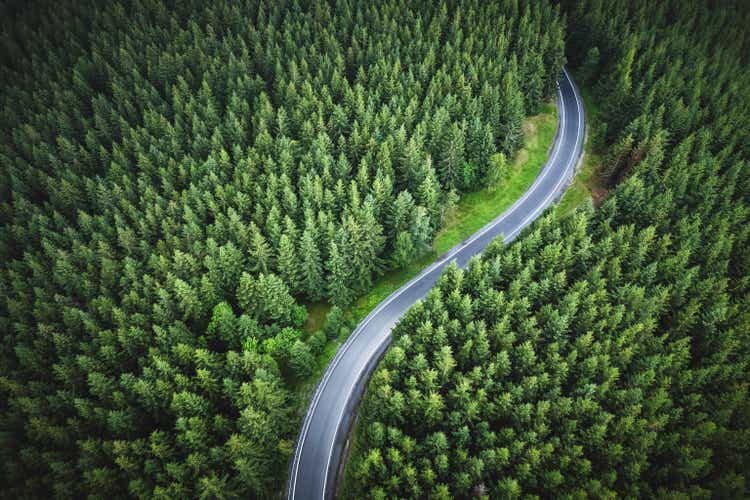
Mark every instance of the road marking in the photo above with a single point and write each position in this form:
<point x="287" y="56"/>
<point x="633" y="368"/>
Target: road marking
<point x="552" y="193"/>
<point x="441" y="261"/>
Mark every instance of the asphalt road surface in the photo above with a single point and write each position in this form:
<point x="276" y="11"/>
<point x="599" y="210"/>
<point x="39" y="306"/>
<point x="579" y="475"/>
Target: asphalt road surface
<point x="325" y="429"/>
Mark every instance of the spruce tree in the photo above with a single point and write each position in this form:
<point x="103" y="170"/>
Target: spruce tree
<point x="512" y="113"/>
<point x="450" y="166"/>
<point x="288" y="262"/>
<point x="339" y="281"/>
<point x="311" y="266"/>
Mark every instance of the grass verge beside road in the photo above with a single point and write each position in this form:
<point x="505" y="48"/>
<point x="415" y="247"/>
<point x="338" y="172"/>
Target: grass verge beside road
<point x="587" y="184"/>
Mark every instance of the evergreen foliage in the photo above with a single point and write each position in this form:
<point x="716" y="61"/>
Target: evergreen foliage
<point x="176" y="177"/>
<point x="606" y="354"/>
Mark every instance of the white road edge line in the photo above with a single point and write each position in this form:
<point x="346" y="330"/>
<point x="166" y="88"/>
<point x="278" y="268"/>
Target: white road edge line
<point x="563" y="178"/>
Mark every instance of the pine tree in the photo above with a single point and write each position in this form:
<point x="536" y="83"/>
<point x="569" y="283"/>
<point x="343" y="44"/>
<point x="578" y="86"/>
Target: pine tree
<point x="590" y="64"/>
<point x="420" y="230"/>
<point x="339" y="283"/>
<point x="512" y="114"/>
<point x="266" y="298"/>
<point x="429" y="195"/>
<point x="497" y="169"/>
<point x="401" y="212"/>
<point x="260" y="251"/>
<point x="480" y="144"/>
<point x="403" y="250"/>
<point x="334" y="322"/>
<point x="450" y="167"/>
<point x="311" y="266"/>
<point x="617" y="158"/>
<point x="301" y="360"/>
<point x="288" y="263"/>
<point x="533" y="82"/>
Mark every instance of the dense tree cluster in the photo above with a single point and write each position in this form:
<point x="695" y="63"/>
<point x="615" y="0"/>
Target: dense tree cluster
<point x="177" y="177"/>
<point x="664" y="71"/>
<point x="606" y="354"/>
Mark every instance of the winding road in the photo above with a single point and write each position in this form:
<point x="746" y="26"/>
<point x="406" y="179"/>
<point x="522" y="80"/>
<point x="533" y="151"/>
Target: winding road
<point x="317" y="456"/>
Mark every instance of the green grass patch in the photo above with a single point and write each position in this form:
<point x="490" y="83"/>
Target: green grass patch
<point x="476" y="209"/>
<point x="316" y="316"/>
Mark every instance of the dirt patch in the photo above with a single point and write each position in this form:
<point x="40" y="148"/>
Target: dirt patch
<point x="598" y="195"/>
<point x="522" y="156"/>
<point x="529" y="127"/>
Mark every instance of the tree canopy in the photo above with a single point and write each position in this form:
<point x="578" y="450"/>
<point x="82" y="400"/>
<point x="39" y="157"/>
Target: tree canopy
<point x="178" y="177"/>
<point x="606" y="354"/>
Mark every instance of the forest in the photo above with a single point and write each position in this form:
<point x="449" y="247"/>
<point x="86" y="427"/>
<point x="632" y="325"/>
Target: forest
<point x="179" y="180"/>
<point x="603" y="354"/>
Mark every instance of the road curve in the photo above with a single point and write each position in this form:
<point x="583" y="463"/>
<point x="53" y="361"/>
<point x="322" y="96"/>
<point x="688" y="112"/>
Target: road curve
<point x="317" y="455"/>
